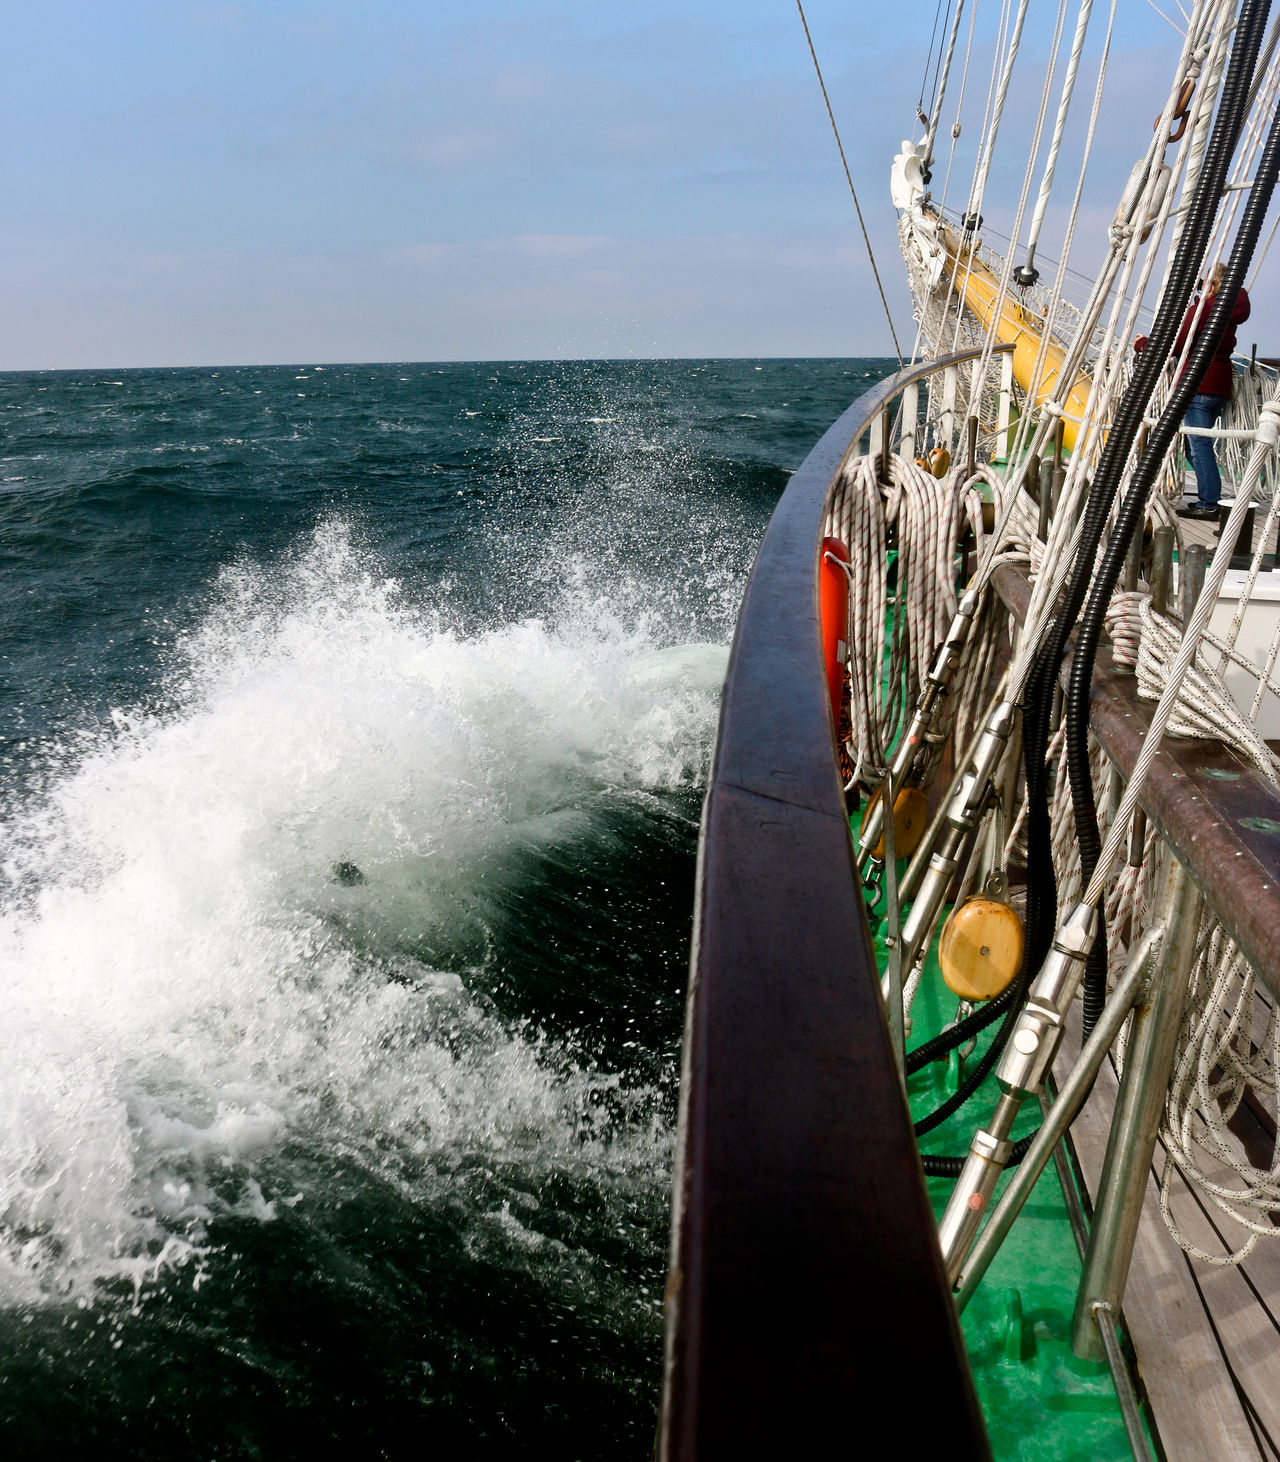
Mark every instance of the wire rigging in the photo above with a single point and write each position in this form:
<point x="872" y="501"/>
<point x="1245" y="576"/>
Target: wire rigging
<point x="844" y="162"/>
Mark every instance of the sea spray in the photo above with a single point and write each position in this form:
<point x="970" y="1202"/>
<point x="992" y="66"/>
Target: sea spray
<point x="190" y="990"/>
<point x="346" y="882"/>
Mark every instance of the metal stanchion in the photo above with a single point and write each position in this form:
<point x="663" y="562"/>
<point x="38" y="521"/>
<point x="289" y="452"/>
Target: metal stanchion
<point x="1059" y="1118"/>
<point x="1148" y="1063"/>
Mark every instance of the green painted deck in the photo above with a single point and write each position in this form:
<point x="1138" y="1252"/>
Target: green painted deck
<point x="1041" y="1404"/>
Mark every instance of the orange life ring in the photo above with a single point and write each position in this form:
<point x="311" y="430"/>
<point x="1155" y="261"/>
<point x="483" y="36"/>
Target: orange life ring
<point x="833" y="611"/>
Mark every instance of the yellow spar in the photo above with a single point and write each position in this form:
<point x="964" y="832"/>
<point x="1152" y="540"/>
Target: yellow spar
<point x="979" y="288"/>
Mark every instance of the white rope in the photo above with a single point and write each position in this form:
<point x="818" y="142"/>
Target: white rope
<point x="984" y="167"/>
<point x="932" y="133"/>
<point x="929" y="516"/>
<point x="1218" y="1060"/>
<point x="1059" y="127"/>
<point x="1204" y="707"/>
<point x="1268" y="434"/>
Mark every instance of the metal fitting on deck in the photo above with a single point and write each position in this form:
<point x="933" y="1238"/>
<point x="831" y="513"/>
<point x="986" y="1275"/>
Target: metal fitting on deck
<point x="943" y="866"/>
<point x="939" y="674"/>
<point x="921" y="730"/>
<point x="989" y="1152"/>
<point x="975" y="786"/>
<point x="1030" y="1052"/>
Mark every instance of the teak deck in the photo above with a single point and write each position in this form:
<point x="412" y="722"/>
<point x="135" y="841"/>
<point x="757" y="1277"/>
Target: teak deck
<point x="1207" y="1338"/>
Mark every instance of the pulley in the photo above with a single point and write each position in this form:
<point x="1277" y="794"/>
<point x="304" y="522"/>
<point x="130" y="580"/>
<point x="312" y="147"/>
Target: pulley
<point x="910" y="814"/>
<point x="980" y="949"/>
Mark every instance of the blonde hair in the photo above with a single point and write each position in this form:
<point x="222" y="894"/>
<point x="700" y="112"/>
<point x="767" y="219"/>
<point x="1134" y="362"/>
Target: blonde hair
<point x="1215" y="276"/>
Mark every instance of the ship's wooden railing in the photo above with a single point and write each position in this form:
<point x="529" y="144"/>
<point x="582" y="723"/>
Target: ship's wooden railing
<point x="1220" y="819"/>
<point x="806" y="1296"/>
<point x="1219" y="815"/>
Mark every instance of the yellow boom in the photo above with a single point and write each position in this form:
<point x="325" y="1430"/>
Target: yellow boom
<point x="979" y="288"/>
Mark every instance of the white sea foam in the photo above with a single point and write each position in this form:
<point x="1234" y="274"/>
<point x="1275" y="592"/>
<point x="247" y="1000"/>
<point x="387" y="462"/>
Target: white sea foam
<point x="183" y="1001"/>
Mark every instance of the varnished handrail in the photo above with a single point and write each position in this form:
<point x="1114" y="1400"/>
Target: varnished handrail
<point x="806" y="1299"/>
<point x="1218" y="814"/>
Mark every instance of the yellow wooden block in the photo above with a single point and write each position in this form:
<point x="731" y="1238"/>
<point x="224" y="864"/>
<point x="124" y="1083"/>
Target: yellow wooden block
<point x="910" y="814"/>
<point x="980" y="950"/>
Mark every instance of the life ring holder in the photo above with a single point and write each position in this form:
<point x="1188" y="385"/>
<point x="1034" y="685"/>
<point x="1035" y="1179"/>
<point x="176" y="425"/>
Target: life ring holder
<point x="833" y="612"/>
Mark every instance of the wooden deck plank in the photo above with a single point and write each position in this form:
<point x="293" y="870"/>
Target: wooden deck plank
<point x="1242" y="1299"/>
<point x="1198" y="1412"/>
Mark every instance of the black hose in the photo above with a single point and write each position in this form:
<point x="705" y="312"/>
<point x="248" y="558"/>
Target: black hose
<point x="1114" y="454"/>
<point x="1038" y="699"/>
<point x="978" y="1075"/>
<point x="1132" y="511"/>
<point x="939" y="1165"/>
<point x="1042" y="885"/>
<point x="956" y="1035"/>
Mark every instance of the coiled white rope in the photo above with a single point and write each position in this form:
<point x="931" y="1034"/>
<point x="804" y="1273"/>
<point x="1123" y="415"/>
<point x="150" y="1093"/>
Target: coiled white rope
<point x="1204" y="707"/>
<point x="1268" y="436"/>
<point x="929" y="516"/>
<point x="1217" y="1061"/>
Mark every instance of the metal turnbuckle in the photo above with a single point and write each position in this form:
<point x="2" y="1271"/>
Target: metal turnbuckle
<point x="1022" y="1070"/>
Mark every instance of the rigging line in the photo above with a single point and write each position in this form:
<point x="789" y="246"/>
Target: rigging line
<point x="1264" y="61"/>
<point x="938" y="71"/>
<point x="1011" y="56"/>
<point x="1165" y="18"/>
<point x="849" y="178"/>
<point x="1055" y="146"/>
<point x="990" y="126"/>
<point x="930" y="59"/>
<point x="1257" y="269"/>
<point x="1049" y="259"/>
<point x="940" y="90"/>
<point x="1007" y="270"/>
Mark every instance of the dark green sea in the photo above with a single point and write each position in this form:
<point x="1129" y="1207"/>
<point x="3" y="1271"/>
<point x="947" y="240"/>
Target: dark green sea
<point x="353" y="724"/>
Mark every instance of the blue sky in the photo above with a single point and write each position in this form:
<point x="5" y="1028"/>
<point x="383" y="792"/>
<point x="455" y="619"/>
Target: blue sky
<point x="386" y="180"/>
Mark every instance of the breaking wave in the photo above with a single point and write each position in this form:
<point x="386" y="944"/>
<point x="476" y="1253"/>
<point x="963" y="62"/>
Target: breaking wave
<point x="240" y="927"/>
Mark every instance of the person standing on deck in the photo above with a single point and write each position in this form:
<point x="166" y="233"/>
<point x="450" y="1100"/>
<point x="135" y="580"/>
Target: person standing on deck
<point x="1212" y="393"/>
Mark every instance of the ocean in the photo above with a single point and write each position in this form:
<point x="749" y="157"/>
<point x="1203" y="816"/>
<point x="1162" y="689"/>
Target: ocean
<point x="353" y="726"/>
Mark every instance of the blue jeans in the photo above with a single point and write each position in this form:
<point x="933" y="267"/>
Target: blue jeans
<point x="1205" y="411"/>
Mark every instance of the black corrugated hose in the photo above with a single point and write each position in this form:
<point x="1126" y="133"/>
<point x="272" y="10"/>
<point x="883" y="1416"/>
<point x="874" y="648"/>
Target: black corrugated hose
<point x="1124" y="427"/>
<point x="1132" y="512"/>
<point x="1041" y="882"/>
<point x="939" y="1165"/>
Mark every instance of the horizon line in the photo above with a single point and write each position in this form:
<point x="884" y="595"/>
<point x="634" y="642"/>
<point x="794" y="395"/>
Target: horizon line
<point x="310" y="363"/>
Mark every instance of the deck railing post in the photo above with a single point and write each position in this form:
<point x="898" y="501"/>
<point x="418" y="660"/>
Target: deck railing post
<point x="1131" y="1145"/>
<point x="910" y="418"/>
<point x="1194" y="562"/>
<point x="1161" y="569"/>
<point x="1006" y="405"/>
<point x="878" y="443"/>
<point x="947" y="417"/>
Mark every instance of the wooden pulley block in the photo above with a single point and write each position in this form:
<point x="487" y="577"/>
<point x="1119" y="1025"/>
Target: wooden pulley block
<point x="939" y="461"/>
<point x="980" y="950"/>
<point x="910" y="814"/>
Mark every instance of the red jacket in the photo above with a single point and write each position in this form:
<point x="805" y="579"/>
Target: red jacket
<point x="1216" y="380"/>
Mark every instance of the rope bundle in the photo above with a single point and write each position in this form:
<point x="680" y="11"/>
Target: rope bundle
<point x="888" y="655"/>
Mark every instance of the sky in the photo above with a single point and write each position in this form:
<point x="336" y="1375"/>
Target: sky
<point x="346" y="180"/>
